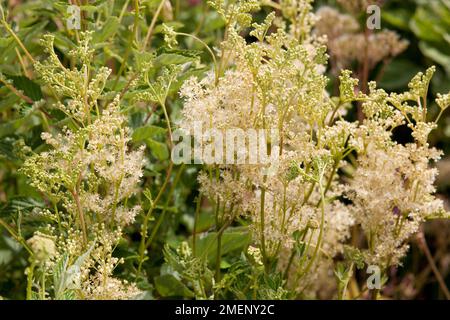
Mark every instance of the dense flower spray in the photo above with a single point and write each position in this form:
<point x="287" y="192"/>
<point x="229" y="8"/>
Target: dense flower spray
<point x="301" y="213"/>
<point x="88" y="174"/>
<point x="347" y="43"/>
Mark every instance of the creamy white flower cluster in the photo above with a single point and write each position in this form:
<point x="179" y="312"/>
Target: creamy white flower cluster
<point x="347" y="43"/>
<point x="301" y="215"/>
<point x="88" y="174"/>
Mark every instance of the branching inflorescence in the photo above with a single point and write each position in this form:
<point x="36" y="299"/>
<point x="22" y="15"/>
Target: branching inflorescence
<point x="332" y="175"/>
<point x="88" y="175"/>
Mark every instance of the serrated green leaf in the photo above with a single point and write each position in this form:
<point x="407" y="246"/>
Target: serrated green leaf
<point x="22" y="204"/>
<point x="29" y="88"/>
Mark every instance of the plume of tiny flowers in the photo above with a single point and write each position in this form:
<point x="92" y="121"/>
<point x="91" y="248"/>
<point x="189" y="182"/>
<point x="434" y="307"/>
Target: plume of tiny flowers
<point x="276" y="83"/>
<point x="297" y="213"/>
<point x="348" y="44"/>
<point x="88" y="173"/>
<point x="392" y="187"/>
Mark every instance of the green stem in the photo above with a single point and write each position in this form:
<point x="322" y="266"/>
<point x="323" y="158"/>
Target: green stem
<point x="58" y="216"/>
<point x="163" y="214"/>
<point x="342" y="293"/>
<point x="330" y="180"/>
<point x="166" y="181"/>
<point x="439" y="116"/>
<point x="130" y="43"/>
<point x="80" y="216"/>
<point x="262" y="228"/>
<point x="144" y="230"/>
<point x="218" y="255"/>
<point x="43" y="285"/>
<point x="319" y="239"/>
<point x="30" y="280"/>
<point x="16" y="92"/>
<point x="152" y="24"/>
<point x="336" y="108"/>
<point x="194" y="230"/>
<point x="308" y="195"/>
<point x="15" y="236"/>
<point x="288" y="267"/>
<point x="293" y="252"/>
<point x="216" y="67"/>
<point x="16" y="38"/>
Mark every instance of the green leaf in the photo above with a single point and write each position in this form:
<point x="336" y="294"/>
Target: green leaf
<point x="5" y="42"/>
<point x="167" y="59"/>
<point x="148" y="194"/>
<point x="159" y="149"/>
<point x="28" y="35"/>
<point x="12" y="244"/>
<point x="213" y="21"/>
<point x="22" y="204"/>
<point x="59" y="273"/>
<point x="147" y="132"/>
<point x="66" y="277"/>
<point x="399" y="18"/>
<point x="108" y="31"/>
<point x="174" y="24"/>
<point x="169" y="286"/>
<point x="63" y="43"/>
<point x="233" y="239"/>
<point x="354" y="255"/>
<point x="426" y="26"/>
<point x="29" y="88"/>
<point x="436" y="55"/>
<point x="205" y="221"/>
<point x="182" y="52"/>
<point x="224" y="264"/>
<point x="142" y="58"/>
<point x="10" y="127"/>
<point x="441" y="10"/>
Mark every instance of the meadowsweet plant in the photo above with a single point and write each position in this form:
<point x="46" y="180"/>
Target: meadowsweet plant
<point x="332" y="175"/>
<point x="88" y="175"/>
<point x="211" y="150"/>
<point x="89" y="172"/>
<point x="277" y="82"/>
